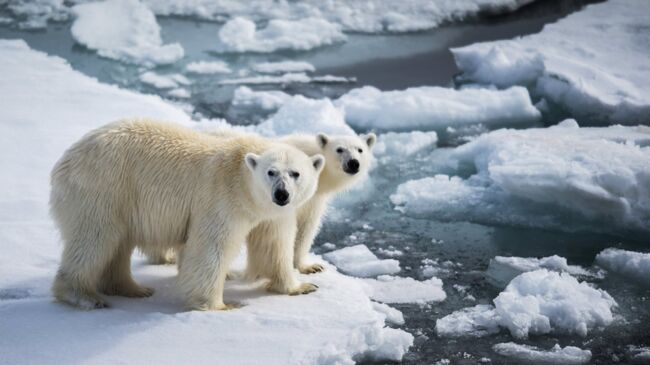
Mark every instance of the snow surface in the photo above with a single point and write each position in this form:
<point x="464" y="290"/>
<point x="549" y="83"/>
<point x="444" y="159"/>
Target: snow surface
<point x="125" y="30"/>
<point x="362" y="16"/>
<point x="525" y="354"/>
<point x="635" y="265"/>
<point x="535" y="177"/>
<point x="208" y="67"/>
<point x="569" y="65"/>
<point x="435" y="108"/>
<point x="394" y="289"/>
<point x="534" y="303"/>
<point x="360" y="261"/>
<point x="336" y="324"/>
<point x="283" y="66"/>
<point x="241" y="35"/>
<point x="502" y="270"/>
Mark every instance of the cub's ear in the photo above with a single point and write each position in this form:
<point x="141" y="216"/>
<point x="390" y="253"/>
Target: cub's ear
<point x="322" y="139"/>
<point x="370" y="139"/>
<point x="251" y="160"/>
<point x="318" y="161"/>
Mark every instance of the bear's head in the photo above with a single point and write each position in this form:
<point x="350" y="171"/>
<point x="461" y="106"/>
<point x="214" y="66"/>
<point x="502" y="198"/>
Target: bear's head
<point x="348" y="157"/>
<point x="284" y="177"/>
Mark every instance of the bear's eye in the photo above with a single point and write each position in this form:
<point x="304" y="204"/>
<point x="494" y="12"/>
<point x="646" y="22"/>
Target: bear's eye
<point x="339" y="150"/>
<point x="360" y="150"/>
<point x="294" y="174"/>
<point x="271" y="173"/>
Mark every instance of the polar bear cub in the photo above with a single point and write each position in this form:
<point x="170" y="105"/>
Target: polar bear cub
<point x="139" y="183"/>
<point x="348" y="159"/>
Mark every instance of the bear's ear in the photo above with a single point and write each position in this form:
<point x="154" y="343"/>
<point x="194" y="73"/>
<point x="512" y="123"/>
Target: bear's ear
<point x="322" y="139"/>
<point x="251" y="160"/>
<point x="370" y="139"/>
<point x="318" y="161"/>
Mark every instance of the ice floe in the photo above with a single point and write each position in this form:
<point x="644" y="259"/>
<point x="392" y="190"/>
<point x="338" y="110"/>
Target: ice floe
<point x="536" y="177"/>
<point x="360" y="261"/>
<point x="337" y="324"/>
<point x="124" y="30"/>
<point x="394" y="289"/>
<point x="502" y="270"/>
<point x="393" y="144"/>
<point x="568" y="64"/>
<point x="283" y="67"/>
<point x="534" y="303"/>
<point x="436" y="108"/>
<point x="241" y="35"/>
<point x="266" y="100"/>
<point x="208" y="67"/>
<point x="163" y="81"/>
<point x="525" y="354"/>
<point x="288" y="78"/>
<point x="635" y="265"/>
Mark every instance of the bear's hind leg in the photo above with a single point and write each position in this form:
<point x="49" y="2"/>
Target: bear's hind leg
<point x="117" y="279"/>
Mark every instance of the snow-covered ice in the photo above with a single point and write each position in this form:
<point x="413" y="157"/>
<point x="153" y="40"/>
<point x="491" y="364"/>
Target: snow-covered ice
<point x="534" y="303"/>
<point x="524" y="354"/>
<point x="337" y="324"/>
<point x="283" y="67"/>
<point x="436" y="108"/>
<point x="208" y="67"/>
<point x="393" y="144"/>
<point x="393" y="315"/>
<point x="241" y="35"/>
<point x="360" y="261"/>
<point x="502" y="270"/>
<point x="266" y="100"/>
<point x="635" y="265"/>
<point x="394" y="289"/>
<point x="359" y="16"/>
<point x="295" y="77"/>
<point x="124" y="30"/>
<point x="569" y="65"/>
<point x="180" y="93"/>
<point x="535" y="177"/>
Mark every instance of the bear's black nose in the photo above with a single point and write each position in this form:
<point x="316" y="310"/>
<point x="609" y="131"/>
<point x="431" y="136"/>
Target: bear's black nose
<point x="352" y="167"/>
<point x="281" y="197"/>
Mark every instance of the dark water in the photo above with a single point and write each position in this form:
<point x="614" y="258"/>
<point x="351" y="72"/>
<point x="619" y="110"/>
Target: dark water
<point x="395" y="62"/>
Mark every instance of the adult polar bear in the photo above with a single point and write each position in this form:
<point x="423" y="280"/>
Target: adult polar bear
<point x="141" y="183"/>
<point x="347" y="159"/>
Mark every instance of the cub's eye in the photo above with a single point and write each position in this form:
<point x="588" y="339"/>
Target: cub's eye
<point x="271" y="173"/>
<point x="339" y="150"/>
<point x="360" y="150"/>
<point x="294" y="174"/>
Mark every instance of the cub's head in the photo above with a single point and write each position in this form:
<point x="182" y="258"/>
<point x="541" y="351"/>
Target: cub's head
<point x="348" y="157"/>
<point x="284" y="176"/>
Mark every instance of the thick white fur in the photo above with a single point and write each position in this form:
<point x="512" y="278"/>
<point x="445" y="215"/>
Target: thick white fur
<point x="158" y="186"/>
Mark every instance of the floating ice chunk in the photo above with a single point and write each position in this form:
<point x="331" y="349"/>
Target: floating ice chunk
<point x="34" y="14"/>
<point x="436" y="108"/>
<point x="536" y="177"/>
<point x="208" y="67"/>
<point x="569" y="355"/>
<point x="393" y="289"/>
<point x="296" y="78"/>
<point x="329" y="246"/>
<point x="638" y="355"/>
<point x="632" y="264"/>
<point x="283" y="66"/>
<point x="124" y="30"/>
<point x="303" y="115"/>
<point x="503" y="269"/>
<point x="267" y="100"/>
<point x="390" y="253"/>
<point x="163" y="81"/>
<point x="368" y="16"/>
<point x="568" y="65"/>
<point x="393" y="144"/>
<point x="541" y="301"/>
<point x="360" y="261"/>
<point x="180" y="93"/>
<point x="478" y="321"/>
<point x="241" y="35"/>
<point x="393" y="315"/>
<point x="535" y="302"/>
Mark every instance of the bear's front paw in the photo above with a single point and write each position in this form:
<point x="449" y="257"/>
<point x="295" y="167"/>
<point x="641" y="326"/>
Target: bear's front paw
<point x="304" y="288"/>
<point x="311" y="269"/>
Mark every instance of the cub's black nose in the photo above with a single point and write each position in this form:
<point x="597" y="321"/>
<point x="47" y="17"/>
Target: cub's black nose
<point x="352" y="167"/>
<point x="281" y="197"/>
